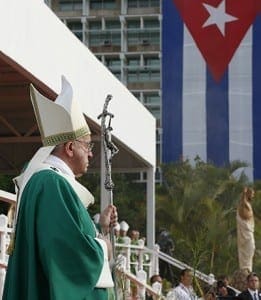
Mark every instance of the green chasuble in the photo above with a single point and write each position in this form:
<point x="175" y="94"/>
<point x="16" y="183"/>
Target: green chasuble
<point x="55" y="254"/>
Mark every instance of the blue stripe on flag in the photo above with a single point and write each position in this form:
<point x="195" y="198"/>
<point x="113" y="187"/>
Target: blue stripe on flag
<point x="217" y="120"/>
<point x="172" y="54"/>
<point x="257" y="98"/>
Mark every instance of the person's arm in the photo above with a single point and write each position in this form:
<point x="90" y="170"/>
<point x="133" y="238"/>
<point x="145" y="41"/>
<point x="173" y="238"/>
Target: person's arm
<point x="245" y="210"/>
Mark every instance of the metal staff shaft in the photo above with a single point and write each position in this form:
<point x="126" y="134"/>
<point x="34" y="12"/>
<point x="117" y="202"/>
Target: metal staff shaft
<point x="110" y="150"/>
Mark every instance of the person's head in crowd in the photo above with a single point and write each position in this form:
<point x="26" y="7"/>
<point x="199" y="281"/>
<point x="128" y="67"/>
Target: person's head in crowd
<point x="155" y="278"/>
<point x="124" y="227"/>
<point x="252" y="281"/>
<point x="135" y="235"/>
<point x="210" y="295"/>
<point x="224" y="278"/>
<point x="156" y="283"/>
<point x="221" y="289"/>
<point x="186" y="277"/>
<point x="132" y="234"/>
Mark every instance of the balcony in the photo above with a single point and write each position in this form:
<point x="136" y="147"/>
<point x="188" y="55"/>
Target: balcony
<point x="105" y="48"/>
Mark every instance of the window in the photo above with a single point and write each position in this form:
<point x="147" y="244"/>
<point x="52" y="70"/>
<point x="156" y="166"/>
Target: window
<point x="116" y="38"/>
<point x="151" y="98"/>
<point x="131" y="24"/>
<point x="70" y="5"/>
<point x="143" y="3"/>
<point x="158" y="135"/>
<point x="102" y="4"/>
<point x="74" y="25"/>
<point x="99" y="57"/>
<point x="94" y="39"/>
<point x="143" y="37"/>
<point x="151" y="23"/>
<point x="117" y="74"/>
<point x="155" y="110"/>
<point x="133" y="38"/>
<point x="137" y="95"/>
<point x="143" y="76"/>
<point x="133" y="27"/>
<point x="154" y="3"/>
<point x="105" y="38"/>
<point x="113" y="62"/>
<point x="155" y="76"/>
<point x="155" y="38"/>
<point x="113" y="24"/>
<point x="76" y="28"/>
<point x="95" y="25"/>
<point x="111" y="38"/>
<point x="133" y="61"/>
<point x="151" y="61"/>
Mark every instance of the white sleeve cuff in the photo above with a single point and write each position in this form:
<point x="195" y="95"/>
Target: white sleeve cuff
<point x="105" y="279"/>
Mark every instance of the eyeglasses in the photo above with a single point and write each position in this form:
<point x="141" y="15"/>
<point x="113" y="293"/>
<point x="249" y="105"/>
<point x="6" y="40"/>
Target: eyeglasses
<point x="87" y="145"/>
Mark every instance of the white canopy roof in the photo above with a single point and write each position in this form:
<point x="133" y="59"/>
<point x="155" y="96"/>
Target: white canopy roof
<point x="36" y="47"/>
<point x="40" y="48"/>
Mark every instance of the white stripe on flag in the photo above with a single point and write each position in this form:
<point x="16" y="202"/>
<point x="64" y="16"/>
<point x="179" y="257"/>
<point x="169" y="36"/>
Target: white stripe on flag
<point x="194" y="101"/>
<point x="240" y="103"/>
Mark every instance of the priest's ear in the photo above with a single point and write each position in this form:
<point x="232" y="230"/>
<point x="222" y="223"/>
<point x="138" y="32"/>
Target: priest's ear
<point x="69" y="148"/>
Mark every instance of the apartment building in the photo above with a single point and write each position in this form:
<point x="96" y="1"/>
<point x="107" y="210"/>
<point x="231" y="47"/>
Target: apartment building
<point x="125" y="35"/>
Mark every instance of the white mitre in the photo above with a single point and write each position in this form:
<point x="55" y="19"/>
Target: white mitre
<point x="59" y="121"/>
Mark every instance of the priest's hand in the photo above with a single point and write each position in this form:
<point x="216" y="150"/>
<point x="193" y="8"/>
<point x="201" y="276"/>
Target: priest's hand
<point x="108" y="218"/>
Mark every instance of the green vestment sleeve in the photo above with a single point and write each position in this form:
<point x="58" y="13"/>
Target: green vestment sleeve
<point x="56" y="255"/>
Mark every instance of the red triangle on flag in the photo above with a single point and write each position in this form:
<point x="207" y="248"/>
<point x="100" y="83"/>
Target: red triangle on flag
<point x="218" y="27"/>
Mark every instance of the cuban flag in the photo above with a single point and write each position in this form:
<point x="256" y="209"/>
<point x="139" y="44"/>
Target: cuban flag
<point x="211" y="83"/>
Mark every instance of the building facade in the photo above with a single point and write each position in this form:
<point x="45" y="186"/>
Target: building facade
<point x="195" y="66"/>
<point x="125" y="35"/>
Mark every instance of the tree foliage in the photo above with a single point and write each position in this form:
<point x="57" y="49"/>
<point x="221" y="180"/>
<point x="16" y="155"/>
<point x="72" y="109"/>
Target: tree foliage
<point x="128" y="195"/>
<point x="197" y="204"/>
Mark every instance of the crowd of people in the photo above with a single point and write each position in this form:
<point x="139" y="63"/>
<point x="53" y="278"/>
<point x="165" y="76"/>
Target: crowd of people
<point x="183" y="289"/>
<point x="220" y="290"/>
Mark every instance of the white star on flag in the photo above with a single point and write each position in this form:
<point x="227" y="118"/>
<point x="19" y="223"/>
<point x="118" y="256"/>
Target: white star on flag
<point x="218" y="16"/>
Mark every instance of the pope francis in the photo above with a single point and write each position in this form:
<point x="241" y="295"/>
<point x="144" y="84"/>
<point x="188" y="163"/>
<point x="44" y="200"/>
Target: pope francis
<point x="57" y="252"/>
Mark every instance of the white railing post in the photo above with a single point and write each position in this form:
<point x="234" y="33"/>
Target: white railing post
<point x="2" y="281"/>
<point x="128" y="268"/>
<point x="3" y="240"/>
<point x="3" y="247"/>
<point x="140" y="260"/>
<point x="142" y="277"/>
<point x="155" y="259"/>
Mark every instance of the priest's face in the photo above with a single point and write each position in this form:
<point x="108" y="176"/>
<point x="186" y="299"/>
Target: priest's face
<point x="82" y="153"/>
